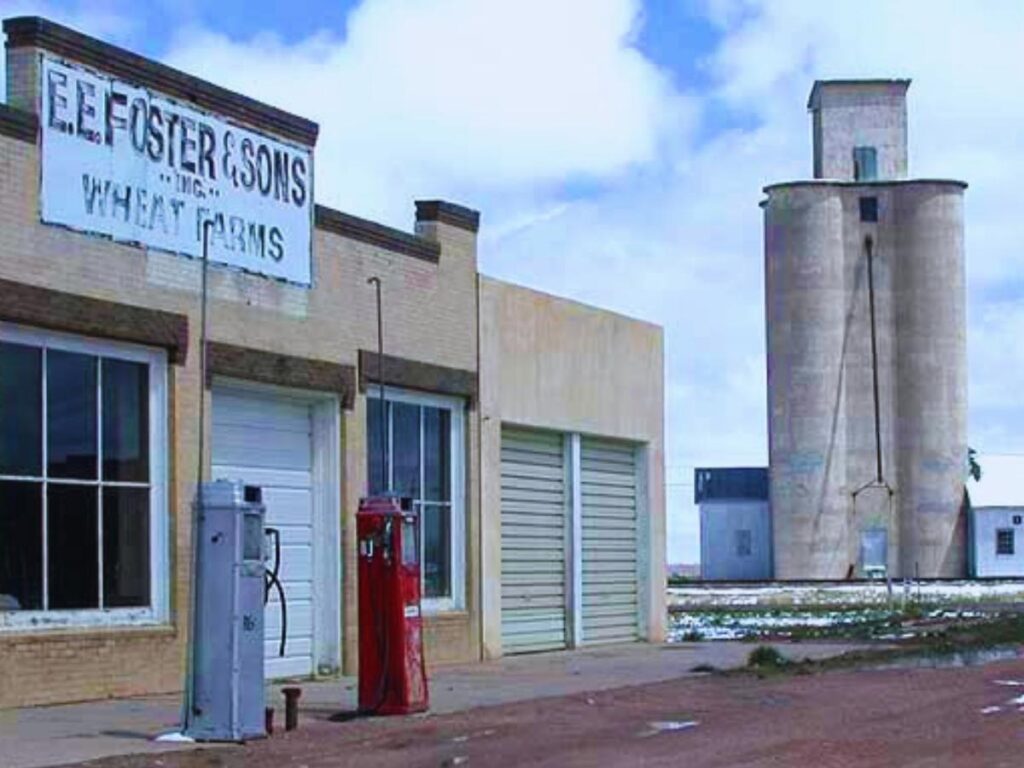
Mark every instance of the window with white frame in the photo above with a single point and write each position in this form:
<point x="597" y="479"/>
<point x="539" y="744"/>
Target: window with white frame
<point x="81" y="488"/>
<point x="423" y="460"/>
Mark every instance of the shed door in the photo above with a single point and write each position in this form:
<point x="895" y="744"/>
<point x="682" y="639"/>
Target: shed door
<point x="266" y="440"/>
<point x="533" y="541"/>
<point x="609" y="517"/>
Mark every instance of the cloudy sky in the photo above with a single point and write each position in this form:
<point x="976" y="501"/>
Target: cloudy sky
<point x="618" y="148"/>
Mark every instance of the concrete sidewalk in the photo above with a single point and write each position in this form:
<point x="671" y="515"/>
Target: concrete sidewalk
<point x="47" y="736"/>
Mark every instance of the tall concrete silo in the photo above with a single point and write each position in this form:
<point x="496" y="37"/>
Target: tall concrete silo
<point x="855" y="486"/>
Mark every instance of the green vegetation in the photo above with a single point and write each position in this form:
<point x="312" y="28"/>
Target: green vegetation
<point x="960" y="642"/>
<point x="766" y="657"/>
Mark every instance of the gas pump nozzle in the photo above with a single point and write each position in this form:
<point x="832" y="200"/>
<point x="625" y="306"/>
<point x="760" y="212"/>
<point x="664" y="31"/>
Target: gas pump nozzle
<point x="271" y="578"/>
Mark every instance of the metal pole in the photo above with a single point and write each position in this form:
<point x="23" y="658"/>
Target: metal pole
<point x="869" y="247"/>
<point x="375" y="281"/>
<point x="202" y="357"/>
<point x="189" y="692"/>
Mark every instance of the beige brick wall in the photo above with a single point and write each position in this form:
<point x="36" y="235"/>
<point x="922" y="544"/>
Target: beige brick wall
<point x="430" y="315"/>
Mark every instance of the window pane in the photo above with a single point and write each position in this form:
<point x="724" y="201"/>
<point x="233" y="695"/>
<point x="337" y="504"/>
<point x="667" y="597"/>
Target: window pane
<point x="73" y="549"/>
<point x="406" y="449"/>
<point x="437" y="454"/>
<point x="21" y="415"/>
<point x="865" y="164"/>
<point x="125" y="547"/>
<point x="435" y="520"/>
<point x="71" y="414"/>
<point x="377" y="473"/>
<point x="1004" y="541"/>
<point x="125" y="421"/>
<point x="21" y="546"/>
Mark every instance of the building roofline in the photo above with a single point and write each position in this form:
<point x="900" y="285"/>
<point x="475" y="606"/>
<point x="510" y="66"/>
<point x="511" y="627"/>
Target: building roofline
<point x="37" y="32"/>
<point x="448" y="213"/>
<point x="813" y="96"/>
<point x="372" y="233"/>
<point x="868" y="184"/>
<point x="575" y="303"/>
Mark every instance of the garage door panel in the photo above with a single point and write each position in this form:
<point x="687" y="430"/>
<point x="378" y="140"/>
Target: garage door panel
<point x="293" y="590"/>
<point x="609" y="547"/>
<point x="288" y="506"/>
<point x="250" y="407"/>
<point x="528" y="578"/>
<point x="300" y="620"/>
<point x="533" y="541"/>
<point x="294" y="647"/>
<point x="531" y="520"/>
<point x="279" y="450"/>
<point x="533" y="555"/>
<point x="608" y="479"/>
<point x="537" y="568"/>
<point x="541" y="589"/>
<point x="265" y="478"/>
<point x="552" y="602"/>
<point x="266" y="440"/>
<point x="531" y="508"/>
<point x="294" y="534"/>
<point x="551" y="474"/>
<point x="296" y="562"/>
<point x="545" y="498"/>
<point x="525" y="625"/>
<point x="623" y="525"/>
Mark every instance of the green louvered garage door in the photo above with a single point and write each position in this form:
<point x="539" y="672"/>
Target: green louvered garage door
<point x="609" y="516"/>
<point x="533" y="541"/>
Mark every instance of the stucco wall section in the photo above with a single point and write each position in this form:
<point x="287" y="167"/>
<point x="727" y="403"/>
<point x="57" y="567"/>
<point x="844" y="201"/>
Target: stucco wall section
<point x="556" y="364"/>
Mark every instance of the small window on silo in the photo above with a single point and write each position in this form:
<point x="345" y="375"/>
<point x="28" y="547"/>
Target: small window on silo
<point x="1004" y="541"/>
<point x="744" y="542"/>
<point x="865" y="164"/>
<point x="869" y="209"/>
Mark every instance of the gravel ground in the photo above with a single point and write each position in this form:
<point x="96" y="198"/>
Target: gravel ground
<point x="967" y="716"/>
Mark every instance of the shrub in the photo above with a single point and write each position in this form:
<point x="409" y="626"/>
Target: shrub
<point x="765" y="656"/>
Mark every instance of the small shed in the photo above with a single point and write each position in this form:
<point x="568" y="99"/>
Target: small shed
<point x="735" y="523"/>
<point x="996" y="523"/>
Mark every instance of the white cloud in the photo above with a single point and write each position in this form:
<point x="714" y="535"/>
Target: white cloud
<point x="83" y="16"/>
<point x="457" y="97"/>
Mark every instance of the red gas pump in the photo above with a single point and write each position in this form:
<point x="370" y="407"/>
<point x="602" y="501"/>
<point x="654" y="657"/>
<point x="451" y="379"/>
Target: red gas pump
<point x="392" y="674"/>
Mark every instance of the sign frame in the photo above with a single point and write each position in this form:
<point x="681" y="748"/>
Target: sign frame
<point x="230" y="229"/>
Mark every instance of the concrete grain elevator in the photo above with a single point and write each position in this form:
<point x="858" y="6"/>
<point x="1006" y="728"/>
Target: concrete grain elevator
<point x="867" y="382"/>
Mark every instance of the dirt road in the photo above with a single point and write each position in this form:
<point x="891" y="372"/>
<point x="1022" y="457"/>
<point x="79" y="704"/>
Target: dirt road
<point x="920" y="717"/>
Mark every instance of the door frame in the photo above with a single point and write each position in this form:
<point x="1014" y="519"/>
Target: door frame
<point x="325" y="416"/>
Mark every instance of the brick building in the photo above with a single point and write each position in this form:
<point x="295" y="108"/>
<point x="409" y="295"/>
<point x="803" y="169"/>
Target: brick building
<point x="528" y="429"/>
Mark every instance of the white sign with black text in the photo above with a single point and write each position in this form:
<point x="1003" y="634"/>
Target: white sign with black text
<point x="121" y="161"/>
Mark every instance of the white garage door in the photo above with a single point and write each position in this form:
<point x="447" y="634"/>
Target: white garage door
<point x="266" y="440"/>
<point x="609" y="516"/>
<point x="533" y="541"/>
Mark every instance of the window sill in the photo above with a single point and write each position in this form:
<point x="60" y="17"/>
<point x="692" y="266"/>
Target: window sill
<point x="446" y="615"/>
<point x="78" y="622"/>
